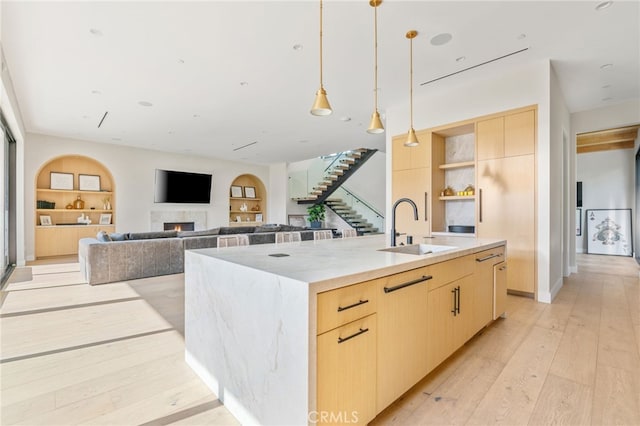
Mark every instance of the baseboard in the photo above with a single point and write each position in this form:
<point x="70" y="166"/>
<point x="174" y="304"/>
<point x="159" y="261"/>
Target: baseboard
<point x="579" y="250"/>
<point x="547" y="297"/>
<point x="574" y="269"/>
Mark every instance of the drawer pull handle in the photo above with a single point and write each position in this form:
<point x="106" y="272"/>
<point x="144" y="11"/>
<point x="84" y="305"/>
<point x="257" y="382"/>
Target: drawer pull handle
<point x="491" y="256"/>
<point x="358" y="303"/>
<point x="407" y="284"/>
<point x="455" y="299"/>
<point x="356" y="334"/>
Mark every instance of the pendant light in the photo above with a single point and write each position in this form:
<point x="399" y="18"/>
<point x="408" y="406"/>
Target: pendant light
<point x="412" y="139"/>
<point x="321" y="104"/>
<point x="376" y="124"/>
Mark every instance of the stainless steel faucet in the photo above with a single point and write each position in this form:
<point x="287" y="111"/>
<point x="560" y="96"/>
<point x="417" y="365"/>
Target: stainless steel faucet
<point x="393" y="217"/>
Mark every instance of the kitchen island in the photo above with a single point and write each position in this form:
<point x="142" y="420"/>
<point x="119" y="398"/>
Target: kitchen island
<point x="309" y="332"/>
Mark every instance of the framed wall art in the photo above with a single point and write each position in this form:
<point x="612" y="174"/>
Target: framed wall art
<point x="609" y="232"/>
<point x="45" y="220"/>
<point x="249" y="192"/>
<point x="105" y="219"/>
<point x="236" y="191"/>
<point x="89" y="182"/>
<point x="61" y="180"/>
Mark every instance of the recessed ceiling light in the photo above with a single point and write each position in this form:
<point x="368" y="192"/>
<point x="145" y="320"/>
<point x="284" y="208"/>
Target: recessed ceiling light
<point x="604" y="5"/>
<point x="195" y="116"/>
<point x="170" y="132"/>
<point x="605" y="66"/>
<point x="461" y="59"/>
<point x="608" y="98"/>
<point x="145" y="103"/>
<point x="297" y="47"/>
<point x="96" y="32"/>
<point x="96" y="92"/>
<point x="85" y="117"/>
<point x="244" y="83"/>
<point x="606" y="86"/>
<point x="303" y="141"/>
<point x="441" y="39"/>
<point x="521" y="36"/>
<point x="345" y="119"/>
<point x="181" y="61"/>
<point x="116" y="139"/>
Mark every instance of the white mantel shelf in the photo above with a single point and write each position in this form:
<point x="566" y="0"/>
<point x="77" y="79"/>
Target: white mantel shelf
<point x="250" y="318"/>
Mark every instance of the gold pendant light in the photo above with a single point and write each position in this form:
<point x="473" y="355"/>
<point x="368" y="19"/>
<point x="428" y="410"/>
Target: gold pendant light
<point x="321" y="104"/>
<point x="376" y="124"/>
<point x="412" y="139"/>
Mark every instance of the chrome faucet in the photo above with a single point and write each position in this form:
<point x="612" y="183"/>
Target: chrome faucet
<point x="393" y="217"/>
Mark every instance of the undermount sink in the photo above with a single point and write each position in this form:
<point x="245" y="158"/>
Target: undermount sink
<point x="418" y="249"/>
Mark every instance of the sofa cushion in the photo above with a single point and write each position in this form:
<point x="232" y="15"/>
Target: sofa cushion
<point x="267" y="228"/>
<point x="118" y="236"/>
<point x="152" y="235"/>
<point x="289" y="228"/>
<point x="212" y="231"/>
<point x="103" y="237"/>
<point x="230" y="230"/>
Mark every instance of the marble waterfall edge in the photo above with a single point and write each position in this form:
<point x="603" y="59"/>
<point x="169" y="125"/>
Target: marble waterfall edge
<point x="246" y="336"/>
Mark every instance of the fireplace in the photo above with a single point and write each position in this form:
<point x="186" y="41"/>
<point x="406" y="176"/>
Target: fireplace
<point x="179" y="226"/>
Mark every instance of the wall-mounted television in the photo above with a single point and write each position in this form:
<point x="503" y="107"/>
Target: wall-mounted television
<point x="182" y="187"/>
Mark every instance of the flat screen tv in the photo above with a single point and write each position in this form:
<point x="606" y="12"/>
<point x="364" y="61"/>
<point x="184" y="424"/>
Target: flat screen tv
<point x="182" y="187"/>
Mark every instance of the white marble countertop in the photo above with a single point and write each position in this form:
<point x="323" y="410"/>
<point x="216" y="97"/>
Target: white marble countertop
<point x="329" y="264"/>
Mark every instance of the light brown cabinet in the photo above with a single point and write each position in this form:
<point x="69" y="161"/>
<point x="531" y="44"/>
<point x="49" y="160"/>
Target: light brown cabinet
<point x="484" y="291"/>
<point x="346" y="371"/>
<point x="57" y="232"/>
<point x="414" y="184"/>
<point x="508" y="135"/>
<point x="499" y="289"/>
<point x="402" y="333"/>
<point x="506" y="209"/>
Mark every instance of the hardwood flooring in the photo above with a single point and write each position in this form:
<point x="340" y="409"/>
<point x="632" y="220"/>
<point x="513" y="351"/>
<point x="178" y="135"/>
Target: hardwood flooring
<point x="113" y="354"/>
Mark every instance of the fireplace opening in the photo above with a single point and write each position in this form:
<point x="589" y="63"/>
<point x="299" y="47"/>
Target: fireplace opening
<point x="179" y="226"/>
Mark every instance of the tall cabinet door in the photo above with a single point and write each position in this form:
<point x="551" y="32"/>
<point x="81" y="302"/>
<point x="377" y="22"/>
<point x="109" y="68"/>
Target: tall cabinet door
<point x="506" y="209"/>
<point x="413" y="184"/>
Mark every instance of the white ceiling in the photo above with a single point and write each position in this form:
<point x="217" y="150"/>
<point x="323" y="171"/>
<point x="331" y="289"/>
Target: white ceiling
<point x="189" y="59"/>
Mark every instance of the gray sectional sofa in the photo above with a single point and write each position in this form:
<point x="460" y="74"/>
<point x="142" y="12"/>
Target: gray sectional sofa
<point x="118" y="257"/>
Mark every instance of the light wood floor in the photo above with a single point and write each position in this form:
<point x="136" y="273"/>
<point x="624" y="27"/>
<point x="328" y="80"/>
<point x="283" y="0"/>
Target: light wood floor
<point x="114" y="354"/>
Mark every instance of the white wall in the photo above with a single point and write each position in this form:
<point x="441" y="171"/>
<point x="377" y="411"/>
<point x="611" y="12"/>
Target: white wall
<point x="465" y="96"/>
<point x="608" y="182"/>
<point x="621" y="114"/>
<point x="133" y="172"/>
<point x="277" y="192"/>
<point x="561" y="186"/>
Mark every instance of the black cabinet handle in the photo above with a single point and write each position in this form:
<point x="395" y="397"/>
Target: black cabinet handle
<point x="480" y="205"/>
<point x="407" y="284"/>
<point x="426" y="208"/>
<point x="491" y="256"/>
<point x="455" y="298"/>
<point x="458" y="301"/>
<point x="356" y="334"/>
<point x="358" y="303"/>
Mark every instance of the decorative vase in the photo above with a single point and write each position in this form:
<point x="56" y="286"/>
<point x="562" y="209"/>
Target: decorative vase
<point x="78" y="204"/>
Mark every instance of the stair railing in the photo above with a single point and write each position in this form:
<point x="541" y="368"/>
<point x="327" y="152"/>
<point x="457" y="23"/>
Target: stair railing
<point x="361" y="207"/>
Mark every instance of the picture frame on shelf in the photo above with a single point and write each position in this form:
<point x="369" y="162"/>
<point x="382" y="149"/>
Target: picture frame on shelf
<point x="249" y="192"/>
<point x="609" y="232"/>
<point x="45" y="220"/>
<point x="61" y="180"/>
<point x="89" y="182"/>
<point x="236" y="191"/>
<point x="258" y="217"/>
<point x="105" y="219"/>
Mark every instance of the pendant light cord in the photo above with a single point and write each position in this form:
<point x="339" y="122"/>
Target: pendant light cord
<point x="321" y="45"/>
<point x="375" y="46"/>
<point x="411" y="80"/>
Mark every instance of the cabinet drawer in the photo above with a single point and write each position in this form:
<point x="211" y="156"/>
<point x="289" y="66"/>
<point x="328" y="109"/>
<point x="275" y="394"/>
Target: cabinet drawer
<point x="490" y="257"/>
<point x="450" y="270"/>
<point x="343" y="305"/>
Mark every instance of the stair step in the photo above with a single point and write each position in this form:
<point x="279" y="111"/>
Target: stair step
<point x="342" y="166"/>
<point x="316" y="193"/>
<point x="348" y="160"/>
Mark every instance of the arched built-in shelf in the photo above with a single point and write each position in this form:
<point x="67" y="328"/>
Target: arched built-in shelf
<point x="59" y="183"/>
<point x="247" y="190"/>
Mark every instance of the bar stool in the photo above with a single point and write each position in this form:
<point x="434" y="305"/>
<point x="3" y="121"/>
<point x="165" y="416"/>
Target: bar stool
<point x="323" y="235"/>
<point x="348" y="233"/>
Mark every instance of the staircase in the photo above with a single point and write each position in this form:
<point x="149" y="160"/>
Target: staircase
<point x="355" y="220"/>
<point x="337" y="174"/>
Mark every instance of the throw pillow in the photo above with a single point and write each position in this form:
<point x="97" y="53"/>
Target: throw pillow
<point x="267" y="228"/>
<point x="118" y="236"/>
<point x="152" y="235"/>
<point x="204" y="233"/>
<point x="103" y="237"/>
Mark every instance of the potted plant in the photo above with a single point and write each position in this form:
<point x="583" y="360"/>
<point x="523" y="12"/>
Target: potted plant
<point x="316" y="215"/>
